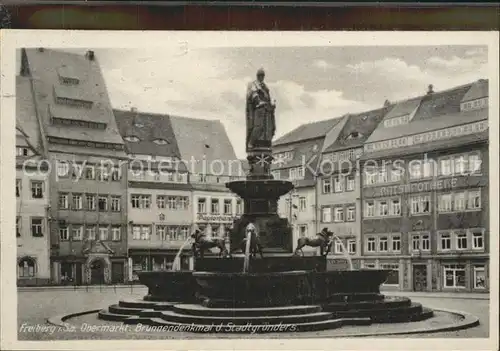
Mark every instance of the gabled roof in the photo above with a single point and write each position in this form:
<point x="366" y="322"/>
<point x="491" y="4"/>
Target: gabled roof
<point x="406" y="107"/>
<point x="441" y="103"/>
<point x="27" y="127"/>
<point x="148" y="127"/>
<point x="207" y="143"/>
<point x="43" y="66"/>
<point x="478" y="90"/>
<point x="307" y="131"/>
<point x="361" y="123"/>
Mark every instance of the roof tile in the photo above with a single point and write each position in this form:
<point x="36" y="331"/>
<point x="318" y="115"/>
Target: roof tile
<point x="308" y="131"/>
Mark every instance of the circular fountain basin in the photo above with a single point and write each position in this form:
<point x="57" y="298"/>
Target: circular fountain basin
<point x="169" y="285"/>
<point x="260" y="189"/>
<point x="237" y="289"/>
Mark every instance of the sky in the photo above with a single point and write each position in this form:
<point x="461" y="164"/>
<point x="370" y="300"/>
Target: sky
<point x="308" y="83"/>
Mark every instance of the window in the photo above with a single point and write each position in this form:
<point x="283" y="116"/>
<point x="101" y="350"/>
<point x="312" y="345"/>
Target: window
<point x="103" y="203"/>
<point x="116" y="174"/>
<point x="170" y="176"/>
<point x="302" y="231"/>
<point x="415" y="243"/>
<point x="136" y="232"/>
<point x="338" y="247"/>
<point x="461" y="241"/>
<point x="77" y="232"/>
<point x="104" y="173"/>
<point x="383" y="208"/>
<point x="350" y="183"/>
<point x="454" y="276"/>
<point x="445" y="242"/>
<point x="160" y="201"/>
<point x="338" y="214"/>
<point x="326" y="214"/>
<point x="393" y="277"/>
<point x="383" y="245"/>
<point x="239" y="207"/>
<point x="351" y="214"/>
<point x="426" y="242"/>
<point x="371" y="176"/>
<point x="18" y="226"/>
<point x="171" y="202"/>
<point x="415" y="170"/>
<point x="459" y="201"/>
<point x="63" y="201"/>
<point x="141" y="201"/>
<point x="63" y="233"/>
<point x="183" y="232"/>
<point x="460" y="165"/>
<point x="370" y="247"/>
<point x="103" y="233"/>
<point x="77" y="171"/>
<point x="26" y="268"/>
<point x="161" y="232"/>
<point x="369" y="265"/>
<point x="172" y="233"/>
<point x="145" y="232"/>
<point x="62" y="169"/>
<point x="36" y="189"/>
<point x="202" y="205"/>
<point x="214" y="206"/>
<point x="396" y="174"/>
<point x="115" y="203"/>
<point x="37" y="227"/>
<point x="420" y="204"/>
<point x="474" y="163"/>
<point x="445" y="202"/>
<point x="91" y="233"/>
<point x="338" y="184"/>
<point x="351" y="246"/>
<point x="22" y="151"/>
<point x="90" y="202"/>
<point x="369" y="209"/>
<point x="77" y="202"/>
<point x="18" y="187"/>
<point x="183" y="203"/>
<point x="327" y="185"/>
<point x="479" y="277"/>
<point x="228" y="207"/>
<point x="445" y="167"/>
<point x="396" y="243"/>
<point x="474" y="202"/>
<point x="116" y="233"/>
<point x="382" y="175"/>
<point x="89" y="172"/>
<point x="477" y="240"/>
<point x="302" y="204"/>
<point x="395" y="209"/>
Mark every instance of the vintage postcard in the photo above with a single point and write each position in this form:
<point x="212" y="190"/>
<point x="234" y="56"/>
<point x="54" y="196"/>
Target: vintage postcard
<point x="249" y="190"/>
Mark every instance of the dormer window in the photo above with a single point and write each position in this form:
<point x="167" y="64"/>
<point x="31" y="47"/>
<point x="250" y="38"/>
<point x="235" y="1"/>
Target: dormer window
<point x="132" y="139"/>
<point x="67" y="76"/>
<point x="160" y="141"/>
<point x="315" y="148"/>
<point x="354" y="135"/>
<point x="397" y="121"/>
<point x="474" y="104"/>
<point x="138" y="124"/>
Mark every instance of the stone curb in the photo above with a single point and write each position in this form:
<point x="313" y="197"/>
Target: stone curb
<point x="437" y="296"/>
<point x="80" y="287"/>
<point x="468" y="321"/>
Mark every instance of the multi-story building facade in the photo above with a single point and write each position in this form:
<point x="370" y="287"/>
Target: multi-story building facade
<point x="338" y="186"/>
<point x="296" y="158"/>
<point x="205" y="149"/>
<point x="88" y="177"/>
<point x="32" y="193"/>
<point x="160" y="214"/>
<point x="425" y="192"/>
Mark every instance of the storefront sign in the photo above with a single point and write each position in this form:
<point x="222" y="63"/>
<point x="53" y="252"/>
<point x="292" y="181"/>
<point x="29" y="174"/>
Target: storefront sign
<point x="203" y="217"/>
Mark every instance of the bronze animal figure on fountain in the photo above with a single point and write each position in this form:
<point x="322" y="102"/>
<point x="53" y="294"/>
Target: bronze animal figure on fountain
<point x="203" y="243"/>
<point x="323" y="240"/>
<point x="255" y="244"/>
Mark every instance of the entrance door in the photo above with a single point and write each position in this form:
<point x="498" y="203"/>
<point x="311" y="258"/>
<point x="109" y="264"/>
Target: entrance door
<point x="420" y="277"/>
<point x="97" y="272"/>
<point x="117" y="272"/>
<point x="78" y="273"/>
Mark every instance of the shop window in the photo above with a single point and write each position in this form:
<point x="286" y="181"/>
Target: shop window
<point x="26" y="268"/>
<point x="454" y="276"/>
<point x="479" y="277"/>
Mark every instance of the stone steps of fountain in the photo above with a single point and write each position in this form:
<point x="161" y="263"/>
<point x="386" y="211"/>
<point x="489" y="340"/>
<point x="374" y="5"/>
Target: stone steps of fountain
<point x="138" y="303"/>
<point x="379" y="312"/>
<point x="351" y="297"/>
<point x="112" y="317"/>
<point x="389" y="302"/>
<point x="117" y="309"/>
<point x="198" y="310"/>
<point x="171" y="316"/>
<point x="420" y="315"/>
<point x="156" y="298"/>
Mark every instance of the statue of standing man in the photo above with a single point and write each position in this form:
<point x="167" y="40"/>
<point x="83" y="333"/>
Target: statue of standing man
<point x="261" y="124"/>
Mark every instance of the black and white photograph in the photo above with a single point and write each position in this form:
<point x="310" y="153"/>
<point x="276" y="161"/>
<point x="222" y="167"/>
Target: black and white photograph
<point x="274" y="189"/>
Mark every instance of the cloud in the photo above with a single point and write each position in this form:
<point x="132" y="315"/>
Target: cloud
<point x="458" y="64"/>
<point x="322" y="64"/>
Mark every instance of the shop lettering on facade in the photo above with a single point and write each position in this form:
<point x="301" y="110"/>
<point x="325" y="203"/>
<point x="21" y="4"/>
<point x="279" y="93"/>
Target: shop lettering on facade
<point x="215" y="218"/>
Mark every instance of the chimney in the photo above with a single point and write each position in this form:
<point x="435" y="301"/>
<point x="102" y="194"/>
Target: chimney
<point x="133" y="109"/>
<point x="386" y="103"/>
<point x="41" y="49"/>
<point x="430" y="89"/>
<point x="90" y="55"/>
